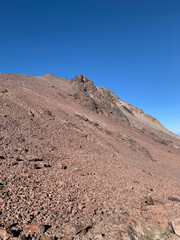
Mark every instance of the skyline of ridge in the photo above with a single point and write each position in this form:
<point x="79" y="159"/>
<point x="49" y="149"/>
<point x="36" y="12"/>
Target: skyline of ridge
<point x="95" y="86"/>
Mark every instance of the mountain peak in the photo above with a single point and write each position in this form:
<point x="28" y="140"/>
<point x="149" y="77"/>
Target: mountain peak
<point x="80" y="77"/>
<point x="83" y="83"/>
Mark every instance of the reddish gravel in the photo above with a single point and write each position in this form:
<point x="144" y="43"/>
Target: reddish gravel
<point x="76" y="162"/>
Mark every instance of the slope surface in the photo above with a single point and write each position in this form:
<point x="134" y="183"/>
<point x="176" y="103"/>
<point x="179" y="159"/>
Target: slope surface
<point x="83" y="163"/>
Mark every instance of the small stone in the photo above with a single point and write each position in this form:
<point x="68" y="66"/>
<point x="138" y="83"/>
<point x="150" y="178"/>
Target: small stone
<point x="71" y="229"/>
<point x="2" y="157"/>
<point x="99" y="236"/>
<point x="14" y="163"/>
<point x="176" y="226"/>
<point x="62" y="166"/>
<point x="149" y="201"/>
<point x="22" y="237"/>
<point x="80" y="207"/>
<point x="1" y="186"/>
<point x="35" y="228"/>
<point x="4" y="234"/>
<point x="25" y="175"/>
<point x="37" y="166"/>
<point x="174" y="198"/>
<point x="3" y="91"/>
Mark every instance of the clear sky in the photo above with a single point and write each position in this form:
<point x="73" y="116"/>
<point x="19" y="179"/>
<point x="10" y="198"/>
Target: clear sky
<point x="129" y="46"/>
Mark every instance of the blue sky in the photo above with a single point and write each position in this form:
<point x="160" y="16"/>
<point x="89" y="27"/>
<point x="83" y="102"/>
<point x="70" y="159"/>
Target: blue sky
<point x="131" y="47"/>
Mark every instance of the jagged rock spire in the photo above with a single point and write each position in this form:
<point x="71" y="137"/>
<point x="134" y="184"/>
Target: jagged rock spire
<point x="83" y="83"/>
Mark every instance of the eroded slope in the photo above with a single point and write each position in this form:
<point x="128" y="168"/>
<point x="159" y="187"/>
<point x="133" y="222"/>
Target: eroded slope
<point x="71" y="160"/>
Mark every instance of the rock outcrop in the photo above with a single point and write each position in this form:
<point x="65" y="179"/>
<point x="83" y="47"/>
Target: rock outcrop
<point x="101" y="98"/>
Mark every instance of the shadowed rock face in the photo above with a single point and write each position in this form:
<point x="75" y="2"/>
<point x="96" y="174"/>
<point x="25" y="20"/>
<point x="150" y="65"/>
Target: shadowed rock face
<point x="104" y="98"/>
<point x="77" y="162"/>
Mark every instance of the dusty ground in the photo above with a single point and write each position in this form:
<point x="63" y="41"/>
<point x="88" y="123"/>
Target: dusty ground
<point x="76" y="162"/>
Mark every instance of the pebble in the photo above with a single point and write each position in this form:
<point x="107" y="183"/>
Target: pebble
<point x="62" y="166"/>
<point x="22" y="237"/>
<point x="71" y="229"/>
<point x="1" y="186"/>
<point x="149" y="201"/>
<point x="99" y="236"/>
<point x="4" y="234"/>
<point x="176" y="226"/>
<point x="3" y="91"/>
<point x="37" y="166"/>
<point x="25" y="175"/>
<point x="174" y="198"/>
<point x="35" y="228"/>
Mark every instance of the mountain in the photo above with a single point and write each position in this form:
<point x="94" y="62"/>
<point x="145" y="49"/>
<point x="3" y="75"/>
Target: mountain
<point x="77" y="162"/>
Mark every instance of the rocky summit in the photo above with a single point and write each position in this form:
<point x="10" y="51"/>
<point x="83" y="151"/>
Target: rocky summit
<point x="77" y="162"/>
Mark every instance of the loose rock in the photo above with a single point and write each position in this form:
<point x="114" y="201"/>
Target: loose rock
<point x="4" y="234"/>
<point x="35" y="228"/>
<point x="176" y="227"/>
<point x="174" y="198"/>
